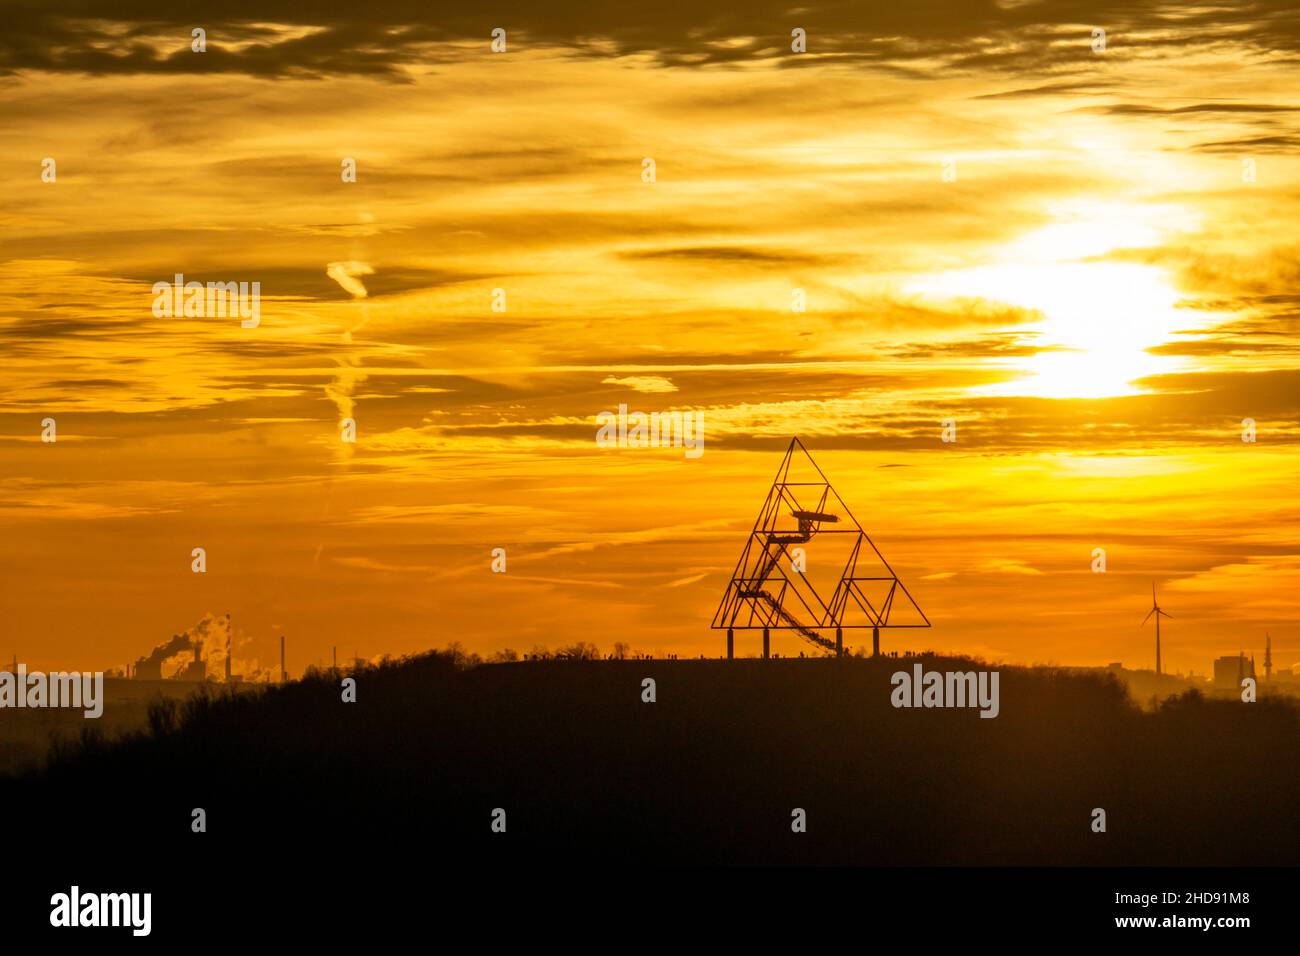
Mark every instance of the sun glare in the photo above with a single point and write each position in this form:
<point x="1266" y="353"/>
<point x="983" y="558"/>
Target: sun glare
<point x="1098" y="318"/>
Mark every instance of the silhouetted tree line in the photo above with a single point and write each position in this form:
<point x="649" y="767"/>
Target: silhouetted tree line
<point x="709" y="773"/>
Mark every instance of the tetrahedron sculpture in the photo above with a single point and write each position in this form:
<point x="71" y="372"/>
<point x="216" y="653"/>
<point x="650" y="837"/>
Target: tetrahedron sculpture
<point x="808" y="567"/>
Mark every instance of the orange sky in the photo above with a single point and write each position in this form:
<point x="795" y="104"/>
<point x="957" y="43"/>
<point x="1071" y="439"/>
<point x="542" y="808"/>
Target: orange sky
<point x="1100" y="296"/>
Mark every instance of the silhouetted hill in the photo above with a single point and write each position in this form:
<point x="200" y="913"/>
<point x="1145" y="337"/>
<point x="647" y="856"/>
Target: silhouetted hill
<point x="709" y="773"/>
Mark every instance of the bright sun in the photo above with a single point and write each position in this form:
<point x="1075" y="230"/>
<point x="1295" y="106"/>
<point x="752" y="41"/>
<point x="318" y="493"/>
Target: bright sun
<point x="1098" y="317"/>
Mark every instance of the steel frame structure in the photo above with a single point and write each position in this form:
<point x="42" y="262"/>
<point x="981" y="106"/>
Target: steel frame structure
<point x="762" y="595"/>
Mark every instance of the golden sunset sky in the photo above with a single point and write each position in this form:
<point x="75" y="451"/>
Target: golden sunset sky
<point x="1098" y="298"/>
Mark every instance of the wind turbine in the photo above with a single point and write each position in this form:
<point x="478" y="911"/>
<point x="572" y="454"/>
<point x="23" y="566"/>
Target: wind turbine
<point x="1155" y="609"/>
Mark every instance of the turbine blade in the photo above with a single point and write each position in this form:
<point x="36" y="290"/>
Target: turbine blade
<point x="1148" y="617"/>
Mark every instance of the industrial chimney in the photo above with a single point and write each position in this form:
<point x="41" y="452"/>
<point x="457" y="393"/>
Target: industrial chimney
<point x="229" y="638"/>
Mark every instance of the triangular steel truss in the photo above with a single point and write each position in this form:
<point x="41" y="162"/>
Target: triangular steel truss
<point x="768" y="592"/>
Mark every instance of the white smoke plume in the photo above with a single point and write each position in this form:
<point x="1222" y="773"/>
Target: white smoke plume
<point x="212" y="635"/>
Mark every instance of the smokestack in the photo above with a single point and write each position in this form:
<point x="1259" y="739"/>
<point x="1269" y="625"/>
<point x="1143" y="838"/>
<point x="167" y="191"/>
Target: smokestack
<point x="229" y="638"/>
<point x="281" y="658"/>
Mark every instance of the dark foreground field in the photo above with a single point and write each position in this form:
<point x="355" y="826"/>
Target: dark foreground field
<point x="709" y="773"/>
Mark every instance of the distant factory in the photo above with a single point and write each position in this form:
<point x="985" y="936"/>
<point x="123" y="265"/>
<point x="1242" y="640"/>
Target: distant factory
<point x="179" y="649"/>
<point x="150" y="667"/>
<point x="1230" y="671"/>
<point x="1225" y="679"/>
